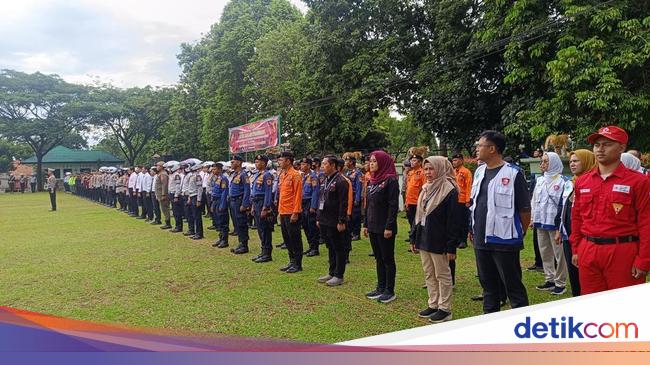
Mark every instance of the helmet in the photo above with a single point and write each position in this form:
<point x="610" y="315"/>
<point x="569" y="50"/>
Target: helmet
<point x="174" y="166"/>
<point x="169" y="164"/>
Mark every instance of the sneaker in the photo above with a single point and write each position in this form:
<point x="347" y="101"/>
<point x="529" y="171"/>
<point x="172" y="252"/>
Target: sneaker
<point x="375" y="294"/>
<point x="546" y="286"/>
<point x="558" y="290"/>
<point x="427" y="313"/>
<point x="387" y="297"/>
<point x="534" y="268"/>
<point x="334" y="281"/>
<point x="324" y="278"/>
<point x="440" y="316"/>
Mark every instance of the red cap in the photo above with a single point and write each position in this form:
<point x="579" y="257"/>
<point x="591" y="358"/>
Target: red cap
<point x="612" y="132"/>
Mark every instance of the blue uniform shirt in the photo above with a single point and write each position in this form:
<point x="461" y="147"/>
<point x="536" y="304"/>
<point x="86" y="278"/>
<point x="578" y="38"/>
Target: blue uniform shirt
<point x="310" y="186"/>
<point x="239" y="187"/>
<point x="355" y="178"/>
<point x="262" y="185"/>
<point x="220" y="190"/>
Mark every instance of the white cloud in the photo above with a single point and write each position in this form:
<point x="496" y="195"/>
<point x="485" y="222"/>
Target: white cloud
<point x="125" y="42"/>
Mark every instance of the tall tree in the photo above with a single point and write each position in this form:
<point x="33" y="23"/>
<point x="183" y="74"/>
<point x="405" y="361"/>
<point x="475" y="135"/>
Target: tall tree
<point x="42" y="111"/>
<point x="10" y="151"/>
<point x="133" y="117"/>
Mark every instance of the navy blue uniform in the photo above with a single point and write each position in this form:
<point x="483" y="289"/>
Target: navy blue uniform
<point x="310" y="188"/>
<point x="355" y="222"/>
<point x="219" y="206"/>
<point x="239" y="196"/>
<point x="262" y="197"/>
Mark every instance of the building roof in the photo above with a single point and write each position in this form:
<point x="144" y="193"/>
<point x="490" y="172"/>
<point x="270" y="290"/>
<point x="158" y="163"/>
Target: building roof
<point x="61" y="154"/>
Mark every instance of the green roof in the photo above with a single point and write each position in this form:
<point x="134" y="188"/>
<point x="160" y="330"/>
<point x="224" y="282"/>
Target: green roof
<point x="60" y="154"/>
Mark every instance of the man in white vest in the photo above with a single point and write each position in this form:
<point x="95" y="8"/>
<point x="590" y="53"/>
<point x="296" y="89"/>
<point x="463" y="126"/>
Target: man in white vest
<point x="500" y="214"/>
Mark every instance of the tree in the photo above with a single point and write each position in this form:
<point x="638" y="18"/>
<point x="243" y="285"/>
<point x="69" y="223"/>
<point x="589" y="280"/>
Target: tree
<point x="41" y="111"/>
<point x="10" y="151"/>
<point x="133" y="117"/>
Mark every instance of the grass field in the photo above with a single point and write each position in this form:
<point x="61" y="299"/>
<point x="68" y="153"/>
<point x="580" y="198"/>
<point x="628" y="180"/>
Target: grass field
<point x="89" y="262"/>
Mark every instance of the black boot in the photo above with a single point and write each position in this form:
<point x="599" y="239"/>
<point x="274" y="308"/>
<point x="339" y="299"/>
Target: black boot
<point x="167" y="225"/>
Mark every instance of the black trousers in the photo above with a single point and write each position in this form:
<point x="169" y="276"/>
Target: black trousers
<point x="495" y="267"/>
<point x="574" y="277"/>
<point x="177" y="210"/>
<point x="53" y="199"/>
<point x="337" y="248"/>
<point x="538" y="256"/>
<point x="156" y="207"/>
<point x="33" y="186"/>
<point x="410" y="215"/>
<point x="384" y="251"/>
<point x="148" y="205"/>
<point x="466" y="223"/>
<point x="189" y="214"/>
<point x="220" y="220"/>
<point x="264" y="227"/>
<point x="198" y="217"/>
<point x="292" y="238"/>
<point x="141" y="202"/>
<point x="239" y="219"/>
<point x="355" y="221"/>
<point x="309" y="225"/>
<point x="133" y="202"/>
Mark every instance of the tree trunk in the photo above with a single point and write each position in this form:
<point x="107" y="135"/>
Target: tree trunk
<point x="39" y="172"/>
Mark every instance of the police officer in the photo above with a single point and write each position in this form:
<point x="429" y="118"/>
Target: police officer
<point x="261" y="195"/>
<point x="310" y="185"/>
<point x="188" y="188"/>
<point x="219" y="207"/>
<point x="239" y="201"/>
<point x="176" y="195"/>
<point x="154" y="197"/>
<point x="354" y="175"/>
<point x="610" y="219"/>
<point x="162" y="193"/>
<point x="133" y="203"/>
<point x="195" y="192"/>
<point x="51" y="187"/>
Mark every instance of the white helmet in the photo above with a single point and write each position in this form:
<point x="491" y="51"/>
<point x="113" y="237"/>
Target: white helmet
<point x="169" y="164"/>
<point x="174" y="166"/>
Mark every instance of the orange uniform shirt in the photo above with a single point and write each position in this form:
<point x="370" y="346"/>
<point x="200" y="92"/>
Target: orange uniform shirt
<point x="290" y="185"/>
<point x="366" y="181"/>
<point x="414" y="181"/>
<point x="350" y="195"/>
<point x="464" y="181"/>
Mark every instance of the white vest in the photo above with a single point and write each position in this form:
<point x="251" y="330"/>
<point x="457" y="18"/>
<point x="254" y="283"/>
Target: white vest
<point x="547" y="200"/>
<point x="502" y="225"/>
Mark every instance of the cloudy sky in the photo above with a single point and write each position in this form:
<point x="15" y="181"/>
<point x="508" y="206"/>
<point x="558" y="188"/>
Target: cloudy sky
<point x="125" y="42"/>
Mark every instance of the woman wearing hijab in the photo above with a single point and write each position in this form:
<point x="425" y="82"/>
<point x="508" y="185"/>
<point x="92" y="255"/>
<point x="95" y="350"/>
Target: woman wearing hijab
<point x="580" y="161"/>
<point x="546" y="212"/>
<point x="382" y="205"/>
<point x="438" y="231"/>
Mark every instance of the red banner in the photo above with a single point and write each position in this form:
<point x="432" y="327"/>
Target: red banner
<point x="258" y="135"/>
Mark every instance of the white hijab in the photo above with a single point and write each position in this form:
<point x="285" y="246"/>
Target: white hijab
<point x="555" y="166"/>
<point x="631" y="162"/>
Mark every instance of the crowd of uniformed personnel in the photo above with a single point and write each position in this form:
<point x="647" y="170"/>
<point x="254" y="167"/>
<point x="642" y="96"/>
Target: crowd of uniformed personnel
<point x="331" y="198"/>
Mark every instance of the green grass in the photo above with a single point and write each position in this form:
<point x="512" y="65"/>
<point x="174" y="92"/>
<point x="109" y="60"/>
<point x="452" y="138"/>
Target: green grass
<point x="88" y="262"/>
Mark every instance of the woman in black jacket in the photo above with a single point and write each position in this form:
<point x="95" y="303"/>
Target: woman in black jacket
<point x="382" y="204"/>
<point x="438" y="231"/>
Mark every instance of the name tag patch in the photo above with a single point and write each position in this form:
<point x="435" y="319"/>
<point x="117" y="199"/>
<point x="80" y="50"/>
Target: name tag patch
<point x="585" y="191"/>
<point x="621" y="189"/>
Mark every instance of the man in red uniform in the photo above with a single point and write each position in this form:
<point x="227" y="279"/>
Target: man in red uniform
<point x="610" y="222"/>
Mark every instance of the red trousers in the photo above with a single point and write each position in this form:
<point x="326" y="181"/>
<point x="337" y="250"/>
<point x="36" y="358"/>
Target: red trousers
<point x="605" y="267"/>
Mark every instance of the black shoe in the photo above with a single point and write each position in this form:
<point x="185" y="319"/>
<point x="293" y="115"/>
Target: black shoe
<point x="440" y="316"/>
<point x="558" y="290"/>
<point x="166" y="226"/>
<point x="285" y="268"/>
<point x="197" y="237"/>
<point x="387" y="297"/>
<point x="232" y="233"/>
<point x="223" y="244"/>
<point x="534" y="268"/>
<point x="477" y="298"/>
<point x="462" y="245"/>
<point x="283" y="246"/>
<point x="176" y="230"/>
<point x="189" y="234"/>
<point x="264" y="258"/>
<point x="546" y="286"/>
<point x="216" y="244"/>
<point x="141" y="218"/>
<point x="504" y="302"/>
<point x="306" y="252"/>
<point x="355" y="238"/>
<point x="156" y="223"/>
<point x="312" y="253"/>
<point x="293" y="269"/>
<point x="375" y="294"/>
<point x="279" y="245"/>
<point x="371" y="254"/>
<point x="427" y="313"/>
<point x="212" y="228"/>
<point x="256" y="257"/>
<point x="240" y="250"/>
<point x="407" y="240"/>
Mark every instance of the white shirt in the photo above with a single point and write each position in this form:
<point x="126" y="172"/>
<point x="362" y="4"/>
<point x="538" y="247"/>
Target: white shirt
<point x="147" y="181"/>
<point x="154" y="183"/>
<point x="138" y="181"/>
<point x="132" y="179"/>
